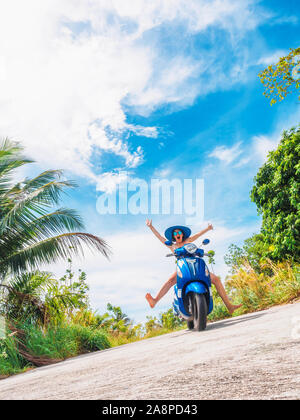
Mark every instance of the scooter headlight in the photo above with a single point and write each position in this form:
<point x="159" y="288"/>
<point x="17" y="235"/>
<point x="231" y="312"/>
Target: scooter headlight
<point x="191" y="248"/>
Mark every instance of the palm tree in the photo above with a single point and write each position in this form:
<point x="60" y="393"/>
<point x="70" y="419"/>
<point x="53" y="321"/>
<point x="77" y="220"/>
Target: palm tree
<point x="37" y="298"/>
<point x="32" y="230"/>
<point x="119" y="320"/>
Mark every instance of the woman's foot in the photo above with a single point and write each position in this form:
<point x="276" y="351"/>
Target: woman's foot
<point x="151" y="300"/>
<point x="234" y="308"/>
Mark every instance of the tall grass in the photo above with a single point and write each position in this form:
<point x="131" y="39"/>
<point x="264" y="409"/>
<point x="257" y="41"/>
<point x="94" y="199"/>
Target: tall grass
<point x="60" y="342"/>
<point x="274" y="284"/>
<point x="54" y="343"/>
<point x="258" y="291"/>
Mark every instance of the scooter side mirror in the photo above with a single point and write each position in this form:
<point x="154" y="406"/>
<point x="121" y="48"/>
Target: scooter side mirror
<point x="205" y="241"/>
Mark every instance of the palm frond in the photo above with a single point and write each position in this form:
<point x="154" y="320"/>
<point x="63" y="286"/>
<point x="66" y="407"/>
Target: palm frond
<point x="52" y="249"/>
<point x="32" y="282"/>
<point x="31" y="184"/>
<point x="27" y="205"/>
<point x="10" y="159"/>
<point x="31" y="233"/>
<point x="39" y="229"/>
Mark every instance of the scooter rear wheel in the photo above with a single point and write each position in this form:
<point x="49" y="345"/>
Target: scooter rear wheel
<point x="199" y="312"/>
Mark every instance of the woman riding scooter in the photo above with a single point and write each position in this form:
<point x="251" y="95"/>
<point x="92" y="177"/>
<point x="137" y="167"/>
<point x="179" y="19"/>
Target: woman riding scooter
<point x="180" y="236"/>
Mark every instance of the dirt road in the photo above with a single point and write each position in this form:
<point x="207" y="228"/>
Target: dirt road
<point x="251" y="356"/>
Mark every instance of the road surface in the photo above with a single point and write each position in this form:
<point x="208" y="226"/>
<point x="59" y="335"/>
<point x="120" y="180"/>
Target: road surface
<point x="248" y="357"/>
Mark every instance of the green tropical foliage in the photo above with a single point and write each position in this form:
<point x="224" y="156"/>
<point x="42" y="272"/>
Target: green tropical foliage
<point x="253" y="250"/>
<point x="166" y="322"/>
<point x="282" y="78"/>
<point x="39" y="298"/>
<point x="170" y="321"/>
<point x="276" y="192"/>
<point x="11" y="360"/>
<point x="64" y="340"/>
<point x="118" y="321"/>
<point x="34" y="346"/>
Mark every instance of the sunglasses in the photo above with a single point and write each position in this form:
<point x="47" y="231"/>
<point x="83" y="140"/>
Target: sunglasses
<point x="177" y="233"/>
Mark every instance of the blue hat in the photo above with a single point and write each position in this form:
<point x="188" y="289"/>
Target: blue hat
<point x="185" y="230"/>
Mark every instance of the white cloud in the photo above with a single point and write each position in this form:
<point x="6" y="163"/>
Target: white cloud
<point x="108" y="181"/>
<point x="262" y="145"/>
<point x="281" y="20"/>
<point x="243" y="162"/>
<point x="256" y="150"/>
<point x="151" y="132"/>
<point x="272" y="58"/>
<point x="226" y="154"/>
<point x="162" y="173"/>
<point x="68" y="65"/>
<point x="110" y="142"/>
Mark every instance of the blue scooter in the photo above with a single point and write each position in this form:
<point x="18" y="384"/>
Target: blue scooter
<point x="193" y="296"/>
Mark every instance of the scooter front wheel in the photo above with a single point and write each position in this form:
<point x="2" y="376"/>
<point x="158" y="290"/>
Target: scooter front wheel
<point x="190" y="323"/>
<point x="199" y="312"/>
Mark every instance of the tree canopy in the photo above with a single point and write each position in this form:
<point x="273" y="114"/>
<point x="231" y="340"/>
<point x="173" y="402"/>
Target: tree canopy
<point x="276" y="192"/>
<point x="282" y="78"/>
<point x="253" y="251"/>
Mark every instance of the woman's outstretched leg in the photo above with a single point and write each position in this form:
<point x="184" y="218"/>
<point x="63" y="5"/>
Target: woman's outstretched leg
<point x="166" y="287"/>
<point x="222" y="292"/>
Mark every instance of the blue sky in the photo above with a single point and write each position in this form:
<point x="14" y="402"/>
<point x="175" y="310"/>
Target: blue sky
<point x="159" y="89"/>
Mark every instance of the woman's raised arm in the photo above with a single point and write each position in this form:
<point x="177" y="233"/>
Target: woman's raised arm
<point x="157" y="234"/>
<point x="197" y="235"/>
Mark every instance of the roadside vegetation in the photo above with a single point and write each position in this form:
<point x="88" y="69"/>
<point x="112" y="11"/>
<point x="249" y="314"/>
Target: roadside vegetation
<point x="265" y="270"/>
<point x="44" y="320"/>
<point x="53" y="320"/>
<point x="35" y="308"/>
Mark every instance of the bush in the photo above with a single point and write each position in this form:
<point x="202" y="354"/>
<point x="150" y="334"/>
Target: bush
<point x="170" y="321"/>
<point x="89" y="339"/>
<point x="11" y="361"/>
<point x="53" y="342"/>
<point x="61" y="342"/>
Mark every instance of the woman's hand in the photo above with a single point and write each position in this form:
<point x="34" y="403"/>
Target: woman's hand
<point x="202" y="232"/>
<point x="149" y="223"/>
